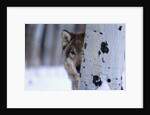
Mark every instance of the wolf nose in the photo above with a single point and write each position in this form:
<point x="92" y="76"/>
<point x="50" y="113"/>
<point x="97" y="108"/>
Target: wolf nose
<point x="78" y="68"/>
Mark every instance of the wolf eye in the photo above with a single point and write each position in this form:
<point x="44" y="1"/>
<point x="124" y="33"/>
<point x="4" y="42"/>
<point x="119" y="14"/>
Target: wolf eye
<point x="72" y="52"/>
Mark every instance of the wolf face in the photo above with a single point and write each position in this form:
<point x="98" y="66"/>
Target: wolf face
<point x="72" y="45"/>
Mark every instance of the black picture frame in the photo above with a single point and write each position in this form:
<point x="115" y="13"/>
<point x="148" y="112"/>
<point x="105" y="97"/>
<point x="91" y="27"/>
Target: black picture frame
<point x="108" y="3"/>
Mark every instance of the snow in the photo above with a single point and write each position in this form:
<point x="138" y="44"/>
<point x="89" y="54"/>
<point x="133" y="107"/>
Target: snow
<point x="47" y="78"/>
<point x="51" y="78"/>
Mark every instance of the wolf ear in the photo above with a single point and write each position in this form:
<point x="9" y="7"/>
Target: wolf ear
<point x="66" y="38"/>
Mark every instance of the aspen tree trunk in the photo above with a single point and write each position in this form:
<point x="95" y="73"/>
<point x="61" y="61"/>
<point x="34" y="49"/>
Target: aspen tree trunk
<point x="48" y="45"/>
<point x="33" y="44"/>
<point x="104" y="56"/>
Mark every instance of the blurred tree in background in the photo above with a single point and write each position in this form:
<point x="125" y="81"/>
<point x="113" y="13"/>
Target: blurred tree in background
<point x="43" y="43"/>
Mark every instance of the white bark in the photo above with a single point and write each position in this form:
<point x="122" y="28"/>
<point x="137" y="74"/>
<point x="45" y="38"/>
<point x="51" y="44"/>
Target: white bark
<point x="104" y="56"/>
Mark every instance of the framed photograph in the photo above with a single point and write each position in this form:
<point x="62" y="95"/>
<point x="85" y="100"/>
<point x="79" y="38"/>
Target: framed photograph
<point x="75" y="57"/>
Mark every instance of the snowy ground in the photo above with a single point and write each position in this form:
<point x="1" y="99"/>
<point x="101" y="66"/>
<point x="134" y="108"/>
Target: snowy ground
<point x="47" y="78"/>
<point x="50" y="78"/>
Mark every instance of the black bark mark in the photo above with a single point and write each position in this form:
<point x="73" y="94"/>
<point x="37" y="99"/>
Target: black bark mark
<point x="84" y="60"/>
<point x="96" y="80"/>
<point x="85" y="45"/>
<point x="99" y="53"/>
<point x="104" y="47"/>
<point x="101" y="33"/>
<point x="121" y="88"/>
<point x="108" y="80"/>
<point x="120" y="28"/>
<point x="103" y="60"/>
<point x="94" y="30"/>
<point x="85" y="83"/>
